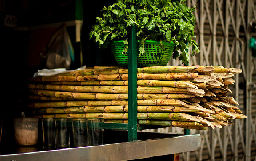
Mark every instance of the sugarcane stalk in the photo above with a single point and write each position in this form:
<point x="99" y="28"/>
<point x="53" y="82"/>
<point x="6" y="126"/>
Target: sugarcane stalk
<point x="219" y="69"/>
<point x="154" y="69"/>
<point x="179" y="117"/>
<point x="222" y="123"/>
<point x="214" y="84"/>
<point x="175" y="69"/>
<point x="52" y="110"/>
<point x="77" y="83"/>
<point x="47" y="116"/>
<point x="228" y="81"/>
<point x="155" y="123"/>
<point x="46" y="104"/>
<point x="214" y="108"/>
<point x="65" y="95"/>
<point x="165" y="69"/>
<point x="112" y="89"/>
<point x="175" y="84"/>
<point x="203" y="79"/>
<point x="151" y="109"/>
<point x="192" y="100"/>
<point x="167" y="76"/>
<point x="189" y="125"/>
<point x="196" y="92"/>
<point x="203" y="114"/>
<point x="239" y="116"/>
<point x="229" y="100"/>
<point x="219" y="117"/>
<point x="209" y="93"/>
<point x="54" y="78"/>
<point x="57" y="104"/>
<point x="83" y="109"/>
<point x="107" y="103"/>
<point x="163" y="96"/>
<point x="201" y="85"/>
<point x="105" y="67"/>
<point x="112" y="77"/>
<point x="113" y="109"/>
<point x="70" y="116"/>
<point x="227" y="115"/>
<point x="224" y="105"/>
<point x="170" y="102"/>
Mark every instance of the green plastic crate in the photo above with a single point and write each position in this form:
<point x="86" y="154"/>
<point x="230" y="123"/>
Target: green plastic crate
<point x="156" y="53"/>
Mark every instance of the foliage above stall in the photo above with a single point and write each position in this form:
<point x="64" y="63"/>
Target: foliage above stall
<point x="160" y="20"/>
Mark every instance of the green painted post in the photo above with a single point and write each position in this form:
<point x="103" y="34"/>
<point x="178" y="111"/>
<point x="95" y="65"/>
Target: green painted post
<point x="132" y="86"/>
<point x="187" y="131"/>
<point x="79" y="10"/>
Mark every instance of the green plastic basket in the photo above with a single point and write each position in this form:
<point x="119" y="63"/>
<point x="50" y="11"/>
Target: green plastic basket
<point x="156" y="53"/>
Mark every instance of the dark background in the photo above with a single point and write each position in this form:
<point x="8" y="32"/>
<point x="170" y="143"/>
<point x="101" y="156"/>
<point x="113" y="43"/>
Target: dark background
<point x="20" y="48"/>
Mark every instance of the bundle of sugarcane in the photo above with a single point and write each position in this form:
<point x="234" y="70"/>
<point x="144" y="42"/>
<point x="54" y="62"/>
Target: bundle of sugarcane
<point x="217" y="96"/>
<point x="191" y="96"/>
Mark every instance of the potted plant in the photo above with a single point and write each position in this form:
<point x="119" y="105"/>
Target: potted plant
<point x="163" y="27"/>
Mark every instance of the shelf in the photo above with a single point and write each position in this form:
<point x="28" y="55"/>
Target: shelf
<point x="166" y="144"/>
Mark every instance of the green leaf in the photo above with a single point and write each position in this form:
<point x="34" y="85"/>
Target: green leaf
<point x="169" y="35"/>
<point x="115" y="12"/>
<point x="132" y="8"/>
<point x="113" y="36"/>
<point x="145" y="20"/>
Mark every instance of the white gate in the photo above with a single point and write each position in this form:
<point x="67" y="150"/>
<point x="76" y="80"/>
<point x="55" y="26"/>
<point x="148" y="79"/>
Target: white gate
<point x="223" y="29"/>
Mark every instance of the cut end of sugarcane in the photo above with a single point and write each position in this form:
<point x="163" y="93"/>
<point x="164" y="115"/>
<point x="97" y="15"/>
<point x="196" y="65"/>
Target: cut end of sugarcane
<point x="230" y="100"/>
<point x="198" y="107"/>
<point x="198" y="119"/>
<point x="235" y="70"/>
<point x="197" y="92"/>
<point x="188" y="125"/>
<point x="214" y="84"/>
<point x="222" y="75"/>
<point x="204" y="69"/>
<point x="238" y="116"/>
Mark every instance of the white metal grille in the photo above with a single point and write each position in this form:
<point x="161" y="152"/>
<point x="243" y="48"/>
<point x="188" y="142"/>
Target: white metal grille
<point x="223" y="33"/>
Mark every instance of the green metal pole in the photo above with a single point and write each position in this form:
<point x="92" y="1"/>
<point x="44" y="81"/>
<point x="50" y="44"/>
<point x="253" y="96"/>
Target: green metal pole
<point x="187" y="131"/>
<point x="132" y="86"/>
<point x="79" y="10"/>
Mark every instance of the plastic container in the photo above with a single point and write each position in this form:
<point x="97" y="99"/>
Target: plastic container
<point x="26" y="131"/>
<point x="156" y="53"/>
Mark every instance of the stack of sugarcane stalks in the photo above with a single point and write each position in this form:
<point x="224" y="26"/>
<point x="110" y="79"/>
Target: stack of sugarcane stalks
<point x="193" y="97"/>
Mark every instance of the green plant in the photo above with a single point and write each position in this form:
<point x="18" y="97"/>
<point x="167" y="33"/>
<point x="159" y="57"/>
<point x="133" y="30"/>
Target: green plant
<point x="160" y="20"/>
